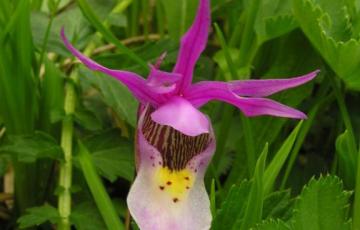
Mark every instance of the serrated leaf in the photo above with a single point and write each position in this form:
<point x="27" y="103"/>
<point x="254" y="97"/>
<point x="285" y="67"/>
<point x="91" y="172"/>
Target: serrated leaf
<point x="115" y="95"/>
<point x="327" y="25"/>
<point x="322" y="205"/>
<point x="39" y="215"/>
<point x="87" y="119"/>
<point x="274" y="18"/>
<point x="85" y="216"/>
<point x="233" y="206"/>
<point x="113" y="156"/>
<point x="278" y="205"/>
<point x="28" y="148"/>
<point x="272" y="225"/>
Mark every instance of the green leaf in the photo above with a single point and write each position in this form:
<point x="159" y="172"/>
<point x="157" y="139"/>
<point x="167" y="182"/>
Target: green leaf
<point x="322" y="205"/>
<point x="278" y="205"/>
<point x="115" y="95"/>
<point x="28" y="148"/>
<point x="253" y="212"/>
<point x="327" y="24"/>
<point x="276" y="164"/>
<point x="272" y="225"/>
<point x="274" y="18"/>
<point x="346" y="158"/>
<point x="39" y="215"/>
<point x="87" y="119"/>
<point x="113" y="156"/>
<point x="233" y="207"/>
<point x="85" y="216"/>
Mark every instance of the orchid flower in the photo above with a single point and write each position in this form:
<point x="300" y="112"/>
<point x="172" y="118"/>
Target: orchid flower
<point x="175" y="140"/>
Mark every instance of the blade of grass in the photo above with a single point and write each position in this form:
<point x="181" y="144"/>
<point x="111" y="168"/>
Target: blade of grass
<point x="273" y="170"/>
<point x="108" y="35"/>
<point x="356" y="213"/>
<point x="253" y="212"/>
<point x="102" y="199"/>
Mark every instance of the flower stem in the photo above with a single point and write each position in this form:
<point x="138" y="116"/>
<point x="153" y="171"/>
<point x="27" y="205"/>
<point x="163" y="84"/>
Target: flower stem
<point x="64" y="201"/>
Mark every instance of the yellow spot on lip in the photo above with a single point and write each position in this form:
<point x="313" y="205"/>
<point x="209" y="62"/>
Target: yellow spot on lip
<point x="174" y="183"/>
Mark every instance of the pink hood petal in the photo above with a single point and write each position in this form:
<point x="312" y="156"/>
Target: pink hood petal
<point x="182" y="116"/>
<point x="192" y="44"/>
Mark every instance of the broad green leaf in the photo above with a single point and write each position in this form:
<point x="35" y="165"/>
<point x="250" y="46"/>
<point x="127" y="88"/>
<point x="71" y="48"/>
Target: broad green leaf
<point x="113" y="156"/>
<point x="322" y="205"/>
<point x="272" y="225"/>
<point x="87" y="119"/>
<point x="346" y="158"/>
<point x="28" y="148"/>
<point x="233" y="206"/>
<point x="276" y="164"/>
<point x="39" y="215"/>
<point x="253" y="212"/>
<point x="115" y="95"/>
<point x="85" y="216"/>
<point x="328" y="26"/>
<point x="278" y="205"/>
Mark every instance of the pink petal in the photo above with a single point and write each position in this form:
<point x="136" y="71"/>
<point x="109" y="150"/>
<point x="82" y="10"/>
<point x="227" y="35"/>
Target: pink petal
<point x="192" y="44"/>
<point x="136" y="84"/>
<point x="181" y="205"/>
<point x="182" y="116"/>
<point x="263" y="88"/>
<point x="200" y="94"/>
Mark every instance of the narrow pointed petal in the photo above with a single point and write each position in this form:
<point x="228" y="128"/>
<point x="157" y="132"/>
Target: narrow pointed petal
<point x="182" y="116"/>
<point x="168" y="191"/>
<point x="192" y="44"/>
<point x="249" y="106"/>
<point x="136" y="84"/>
<point x="263" y="88"/>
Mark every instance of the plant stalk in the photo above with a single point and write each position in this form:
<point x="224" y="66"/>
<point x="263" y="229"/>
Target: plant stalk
<point x="64" y="201"/>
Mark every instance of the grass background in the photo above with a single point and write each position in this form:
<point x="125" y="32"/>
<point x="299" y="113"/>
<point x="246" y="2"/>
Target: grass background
<point x="267" y="173"/>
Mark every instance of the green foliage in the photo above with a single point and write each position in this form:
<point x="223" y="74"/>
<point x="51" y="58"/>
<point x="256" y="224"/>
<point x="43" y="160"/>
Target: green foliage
<point x="28" y="148"/>
<point x="251" y="39"/>
<point x="322" y="205"/>
<point x="328" y="26"/>
<point x="272" y="225"/>
<point x="273" y="170"/>
<point x="85" y="216"/>
<point x="112" y="155"/>
<point x="347" y="159"/>
<point x="39" y="215"/>
<point x="115" y="95"/>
